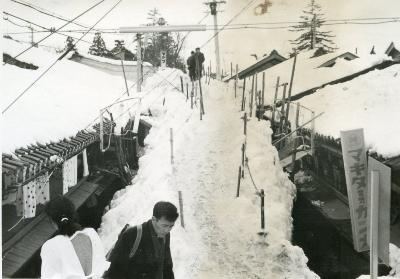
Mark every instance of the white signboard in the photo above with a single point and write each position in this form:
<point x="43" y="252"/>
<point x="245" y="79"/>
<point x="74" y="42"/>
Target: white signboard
<point x="355" y="165"/>
<point x="163" y="59"/>
<point x="383" y="208"/>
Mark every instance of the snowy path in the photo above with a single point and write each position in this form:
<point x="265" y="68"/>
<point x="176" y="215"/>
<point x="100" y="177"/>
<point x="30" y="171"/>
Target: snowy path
<point x="220" y="237"/>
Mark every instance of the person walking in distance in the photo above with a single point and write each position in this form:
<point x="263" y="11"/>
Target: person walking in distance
<point x="199" y="60"/>
<point x="75" y="252"/>
<point x="191" y="66"/>
<point x="144" y="251"/>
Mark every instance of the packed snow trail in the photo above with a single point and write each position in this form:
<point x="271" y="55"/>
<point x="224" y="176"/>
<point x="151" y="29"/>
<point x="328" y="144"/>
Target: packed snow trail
<point x="220" y="237"/>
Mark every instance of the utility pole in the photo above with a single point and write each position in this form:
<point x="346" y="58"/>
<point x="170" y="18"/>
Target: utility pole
<point x="213" y="8"/>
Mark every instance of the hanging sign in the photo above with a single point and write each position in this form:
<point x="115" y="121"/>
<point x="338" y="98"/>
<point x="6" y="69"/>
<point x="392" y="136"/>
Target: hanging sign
<point x="163" y="59"/>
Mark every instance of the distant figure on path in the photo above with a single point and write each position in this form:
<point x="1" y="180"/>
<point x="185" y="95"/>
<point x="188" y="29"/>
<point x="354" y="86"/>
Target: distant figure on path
<point x="75" y="252"/>
<point x="191" y="66"/>
<point x="199" y="60"/>
<point x="144" y="251"/>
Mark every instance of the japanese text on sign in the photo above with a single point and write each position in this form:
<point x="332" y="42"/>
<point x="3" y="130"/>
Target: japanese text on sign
<point x="355" y="165"/>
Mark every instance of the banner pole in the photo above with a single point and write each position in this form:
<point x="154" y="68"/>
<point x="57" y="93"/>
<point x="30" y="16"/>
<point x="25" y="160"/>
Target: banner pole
<point x="374" y="224"/>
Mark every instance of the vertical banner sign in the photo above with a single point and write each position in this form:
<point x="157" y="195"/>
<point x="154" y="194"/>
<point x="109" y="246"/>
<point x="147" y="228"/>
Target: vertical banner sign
<point x="384" y="206"/>
<point x="355" y="165"/>
<point x="163" y="59"/>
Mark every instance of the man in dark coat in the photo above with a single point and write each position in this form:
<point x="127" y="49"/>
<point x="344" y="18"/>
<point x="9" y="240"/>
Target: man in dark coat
<point x="152" y="259"/>
<point x="199" y="60"/>
<point x="191" y="66"/>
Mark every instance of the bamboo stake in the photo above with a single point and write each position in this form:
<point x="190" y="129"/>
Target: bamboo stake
<point x="181" y="208"/>
<point x="274" y="105"/>
<point x="182" y="85"/>
<point x="244" y="88"/>
<point x="238" y="182"/>
<point x="251" y="98"/>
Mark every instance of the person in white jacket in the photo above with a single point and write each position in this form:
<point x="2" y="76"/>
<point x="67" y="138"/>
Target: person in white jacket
<point x="75" y="252"/>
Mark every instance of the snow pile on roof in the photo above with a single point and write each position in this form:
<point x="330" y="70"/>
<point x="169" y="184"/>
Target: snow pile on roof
<point x="67" y="99"/>
<point x="308" y="75"/>
<point x="394" y="261"/>
<point x="112" y="61"/>
<point x="220" y="237"/>
<point x="370" y="101"/>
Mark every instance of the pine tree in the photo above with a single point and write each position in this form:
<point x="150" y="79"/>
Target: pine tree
<point x="70" y="44"/>
<point x="99" y="46"/>
<point x="310" y="28"/>
<point x="171" y="42"/>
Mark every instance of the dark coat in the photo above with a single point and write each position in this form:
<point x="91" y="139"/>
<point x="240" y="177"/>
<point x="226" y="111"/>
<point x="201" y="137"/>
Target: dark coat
<point x="144" y="263"/>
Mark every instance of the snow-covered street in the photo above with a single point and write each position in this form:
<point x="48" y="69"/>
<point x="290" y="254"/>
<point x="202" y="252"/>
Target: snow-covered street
<point x="220" y="237"/>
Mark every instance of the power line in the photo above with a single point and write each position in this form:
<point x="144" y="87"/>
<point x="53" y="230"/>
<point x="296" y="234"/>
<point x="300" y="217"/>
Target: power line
<point x="40" y="26"/>
<point x="41" y="75"/>
<point x="101" y="1"/>
<point x="46" y="12"/>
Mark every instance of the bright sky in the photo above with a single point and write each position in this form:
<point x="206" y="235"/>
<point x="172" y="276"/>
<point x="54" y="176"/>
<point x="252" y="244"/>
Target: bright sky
<point x="236" y="45"/>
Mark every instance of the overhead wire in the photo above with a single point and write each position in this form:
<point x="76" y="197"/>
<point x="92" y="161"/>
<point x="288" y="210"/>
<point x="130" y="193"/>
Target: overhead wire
<point x="46" y="12"/>
<point x="58" y="29"/>
<point x="43" y="73"/>
<point x="40" y="26"/>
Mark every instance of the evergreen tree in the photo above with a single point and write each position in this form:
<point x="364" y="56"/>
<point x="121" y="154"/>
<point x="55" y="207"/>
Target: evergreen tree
<point x="99" y="46"/>
<point x="70" y="44"/>
<point x="170" y="42"/>
<point x="310" y="28"/>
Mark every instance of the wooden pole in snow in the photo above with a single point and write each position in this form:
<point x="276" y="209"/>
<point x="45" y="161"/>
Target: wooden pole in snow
<point x="282" y="108"/>
<point x="191" y="96"/>
<point x="263" y="89"/>
<point x="243" y="157"/>
<point x="374" y="223"/>
<point x="187" y="92"/>
<point x="235" y="87"/>
<point x="245" y="123"/>
<point x="238" y="182"/>
<point x="262" y="195"/>
<point x="290" y="91"/>
<point x="244" y="89"/>
<point x="181" y="209"/>
<point x="251" y="97"/>
<point x="182" y="85"/>
<point x="231" y="70"/>
<point x="274" y="104"/>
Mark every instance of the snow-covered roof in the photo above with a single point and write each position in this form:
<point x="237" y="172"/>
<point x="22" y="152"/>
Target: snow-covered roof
<point x="309" y="75"/>
<point x="265" y="63"/>
<point x="370" y="101"/>
<point x="65" y="100"/>
<point x="113" y="61"/>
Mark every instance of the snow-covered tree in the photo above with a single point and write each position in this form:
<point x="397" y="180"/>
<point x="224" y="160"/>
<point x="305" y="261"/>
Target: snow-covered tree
<point x="98" y="46"/>
<point x="171" y="42"/>
<point x="70" y="43"/>
<point x="312" y="37"/>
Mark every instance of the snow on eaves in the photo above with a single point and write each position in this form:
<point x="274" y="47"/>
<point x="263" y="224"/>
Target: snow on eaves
<point x="370" y="101"/>
<point x="65" y="100"/>
<point x="309" y="75"/>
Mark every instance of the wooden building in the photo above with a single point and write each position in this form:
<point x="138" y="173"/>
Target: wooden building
<point x="93" y="188"/>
